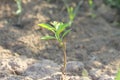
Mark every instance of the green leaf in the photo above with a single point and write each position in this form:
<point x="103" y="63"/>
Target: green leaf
<point x="65" y="33"/>
<point x="71" y="13"/>
<point x="19" y="6"/>
<point x="48" y="37"/>
<point x="118" y="75"/>
<point x="62" y="27"/>
<point x="47" y="26"/>
<point x="56" y="24"/>
<point x="57" y="36"/>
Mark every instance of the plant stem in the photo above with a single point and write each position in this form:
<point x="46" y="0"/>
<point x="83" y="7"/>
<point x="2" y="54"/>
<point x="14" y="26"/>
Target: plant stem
<point x="19" y="6"/>
<point x="65" y="58"/>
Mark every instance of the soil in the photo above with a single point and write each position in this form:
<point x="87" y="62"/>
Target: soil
<point x="93" y="47"/>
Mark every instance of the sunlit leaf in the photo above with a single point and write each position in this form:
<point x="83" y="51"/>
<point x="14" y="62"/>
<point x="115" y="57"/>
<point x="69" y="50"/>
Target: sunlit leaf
<point x="19" y="6"/>
<point x="47" y="26"/>
<point x="48" y="37"/>
<point x="71" y="13"/>
<point x="59" y="29"/>
<point x="65" y="33"/>
<point x="62" y="27"/>
<point x="56" y="24"/>
<point x="57" y="36"/>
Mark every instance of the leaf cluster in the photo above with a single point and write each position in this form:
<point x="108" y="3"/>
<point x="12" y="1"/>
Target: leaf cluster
<point x="59" y="30"/>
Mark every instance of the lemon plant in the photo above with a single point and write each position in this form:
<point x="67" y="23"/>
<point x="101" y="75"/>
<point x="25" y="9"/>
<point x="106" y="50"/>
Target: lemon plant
<point x="59" y="30"/>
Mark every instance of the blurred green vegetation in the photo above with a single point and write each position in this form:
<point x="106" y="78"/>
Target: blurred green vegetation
<point x="118" y="75"/>
<point x="113" y="3"/>
<point x="19" y="6"/>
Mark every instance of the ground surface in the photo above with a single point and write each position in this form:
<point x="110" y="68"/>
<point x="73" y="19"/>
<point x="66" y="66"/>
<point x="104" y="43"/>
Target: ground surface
<point x="93" y="47"/>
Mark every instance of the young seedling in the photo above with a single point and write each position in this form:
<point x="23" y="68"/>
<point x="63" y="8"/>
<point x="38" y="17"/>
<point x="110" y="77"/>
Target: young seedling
<point x="18" y="14"/>
<point x="59" y="30"/>
<point x="91" y="4"/>
<point x="72" y="12"/>
<point x="19" y="10"/>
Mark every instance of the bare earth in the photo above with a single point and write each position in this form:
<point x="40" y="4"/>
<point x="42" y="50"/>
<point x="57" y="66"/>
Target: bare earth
<point x="93" y="46"/>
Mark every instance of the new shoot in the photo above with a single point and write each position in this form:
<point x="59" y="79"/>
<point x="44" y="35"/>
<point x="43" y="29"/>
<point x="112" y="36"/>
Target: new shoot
<point x="59" y="30"/>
